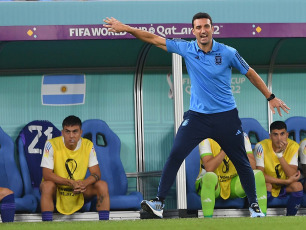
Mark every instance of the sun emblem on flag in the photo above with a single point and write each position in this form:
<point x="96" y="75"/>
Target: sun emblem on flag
<point x="64" y="89"/>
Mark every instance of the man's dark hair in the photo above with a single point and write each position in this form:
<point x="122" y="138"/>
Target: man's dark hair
<point x="278" y="125"/>
<point x="201" y="15"/>
<point x="71" y="121"/>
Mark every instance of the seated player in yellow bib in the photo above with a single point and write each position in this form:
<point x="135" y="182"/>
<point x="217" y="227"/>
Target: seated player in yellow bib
<point x="64" y="163"/>
<point x="277" y="158"/>
<point x="218" y="177"/>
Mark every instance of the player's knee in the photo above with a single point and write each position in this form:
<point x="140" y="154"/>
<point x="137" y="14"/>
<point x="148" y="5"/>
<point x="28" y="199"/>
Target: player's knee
<point x="102" y="187"/>
<point x="296" y="186"/>
<point x="47" y="187"/>
<point x="209" y="179"/>
<point x="5" y="192"/>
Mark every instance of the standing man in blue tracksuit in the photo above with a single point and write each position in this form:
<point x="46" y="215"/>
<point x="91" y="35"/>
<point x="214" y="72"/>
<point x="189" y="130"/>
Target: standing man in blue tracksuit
<point x="212" y="113"/>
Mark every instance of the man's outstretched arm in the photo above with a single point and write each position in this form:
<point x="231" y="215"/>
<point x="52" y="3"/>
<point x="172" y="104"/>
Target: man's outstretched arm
<point x="116" y="26"/>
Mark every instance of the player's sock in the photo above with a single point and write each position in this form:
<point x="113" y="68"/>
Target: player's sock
<point x="47" y="216"/>
<point x="294" y="203"/>
<point x="103" y="215"/>
<point x="209" y="182"/>
<point x="8" y="208"/>
<point x="261" y="190"/>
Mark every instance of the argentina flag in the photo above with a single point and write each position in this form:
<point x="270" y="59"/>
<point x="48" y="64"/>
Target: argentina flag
<point x="63" y="89"/>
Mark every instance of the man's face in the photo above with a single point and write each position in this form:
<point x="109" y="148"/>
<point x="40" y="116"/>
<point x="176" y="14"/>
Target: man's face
<point x="72" y="135"/>
<point x="203" y="31"/>
<point x="278" y="137"/>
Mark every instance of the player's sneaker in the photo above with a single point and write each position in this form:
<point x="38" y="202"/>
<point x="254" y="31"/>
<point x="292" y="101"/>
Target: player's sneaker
<point x="255" y="211"/>
<point x="154" y="206"/>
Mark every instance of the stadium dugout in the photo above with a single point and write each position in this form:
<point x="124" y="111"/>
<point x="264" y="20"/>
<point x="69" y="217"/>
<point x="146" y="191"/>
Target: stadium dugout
<point x="139" y="90"/>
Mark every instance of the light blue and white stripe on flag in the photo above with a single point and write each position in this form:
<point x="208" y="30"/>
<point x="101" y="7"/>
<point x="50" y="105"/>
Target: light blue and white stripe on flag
<point x="63" y="89"/>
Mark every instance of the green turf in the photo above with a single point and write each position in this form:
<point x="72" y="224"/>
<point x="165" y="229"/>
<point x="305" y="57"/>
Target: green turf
<point x="242" y="223"/>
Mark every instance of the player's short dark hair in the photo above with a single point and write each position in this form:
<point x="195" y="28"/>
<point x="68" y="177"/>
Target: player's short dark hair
<point x="278" y="125"/>
<point x="72" y="121"/>
<point x="201" y="15"/>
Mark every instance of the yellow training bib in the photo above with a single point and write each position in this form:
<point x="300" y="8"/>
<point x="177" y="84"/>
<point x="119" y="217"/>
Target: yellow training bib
<point x="225" y="171"/>
<point x="272" y="165"/>
<point x="71" y="165"/>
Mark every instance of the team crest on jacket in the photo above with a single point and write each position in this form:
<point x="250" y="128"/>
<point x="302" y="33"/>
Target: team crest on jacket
<point x="218" y="60"/>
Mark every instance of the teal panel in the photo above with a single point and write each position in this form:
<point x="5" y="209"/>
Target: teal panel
<point x="157" y="147"/>
<point x="250" y="101"/>
<point x="289" y="85"/>
<point x="106" y="99"/>
<point x="158" y="107"/>
<point x="80" y="13"/>
<point x="158" y="130"/>
<point x="158" y="120"/>
<point x="132" y="185"/>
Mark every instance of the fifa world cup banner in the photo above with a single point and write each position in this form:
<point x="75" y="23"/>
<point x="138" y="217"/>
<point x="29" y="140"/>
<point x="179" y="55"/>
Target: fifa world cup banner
<point x="167" y="30"/>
